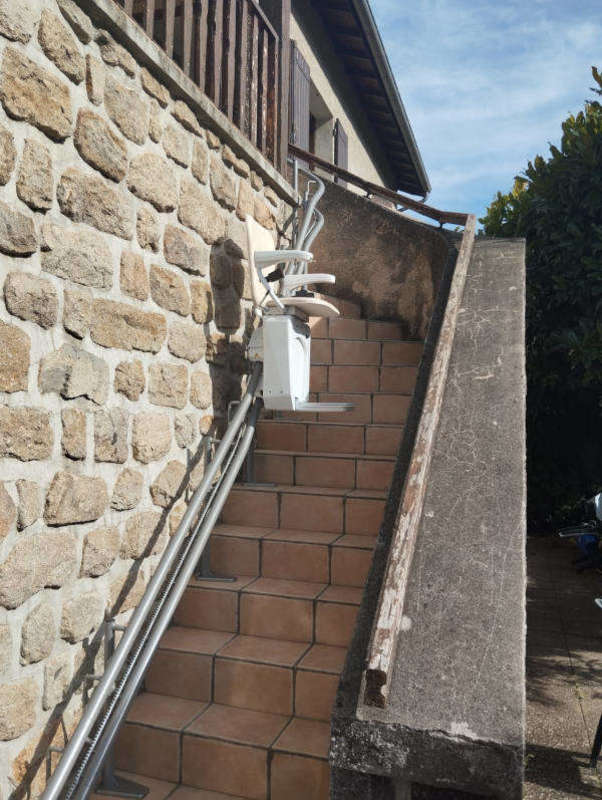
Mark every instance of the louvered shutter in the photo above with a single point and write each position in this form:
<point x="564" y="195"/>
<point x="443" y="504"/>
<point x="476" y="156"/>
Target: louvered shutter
<point x="340" y="149"/>
<point x="299" y="100"/>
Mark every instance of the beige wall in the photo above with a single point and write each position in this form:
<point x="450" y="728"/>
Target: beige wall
<point x="360" y="161"/>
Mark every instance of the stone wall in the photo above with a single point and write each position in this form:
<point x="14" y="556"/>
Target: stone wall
<point x="123" y="321"/>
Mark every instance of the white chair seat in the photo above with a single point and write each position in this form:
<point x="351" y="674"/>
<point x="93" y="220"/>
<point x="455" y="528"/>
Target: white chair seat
<point x="312" y="306"/>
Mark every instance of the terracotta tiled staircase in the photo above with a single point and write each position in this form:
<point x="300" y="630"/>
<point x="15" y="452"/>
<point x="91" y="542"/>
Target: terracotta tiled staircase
<point x="238" y="699"/>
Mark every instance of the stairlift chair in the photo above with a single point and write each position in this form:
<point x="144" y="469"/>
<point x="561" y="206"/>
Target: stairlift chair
<point x="283" y="340"/>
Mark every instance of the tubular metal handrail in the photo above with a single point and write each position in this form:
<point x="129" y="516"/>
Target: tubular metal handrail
<point x="109" y="702"/>
<point x="442" y="217"/>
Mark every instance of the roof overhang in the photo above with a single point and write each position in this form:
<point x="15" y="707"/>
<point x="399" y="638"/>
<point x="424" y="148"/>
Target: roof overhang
<point x="351" y="25"/>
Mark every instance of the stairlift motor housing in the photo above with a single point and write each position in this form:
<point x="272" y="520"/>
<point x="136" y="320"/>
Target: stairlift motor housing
<point x="283" y="344"/>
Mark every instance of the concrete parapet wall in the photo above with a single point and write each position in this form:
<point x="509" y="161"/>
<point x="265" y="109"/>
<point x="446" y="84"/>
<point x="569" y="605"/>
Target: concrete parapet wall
<point x="123" y="321"/>
<point x="387" y="262"/>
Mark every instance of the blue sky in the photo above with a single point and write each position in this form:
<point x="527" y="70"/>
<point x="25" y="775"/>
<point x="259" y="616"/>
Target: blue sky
<point x="486" y="84"/>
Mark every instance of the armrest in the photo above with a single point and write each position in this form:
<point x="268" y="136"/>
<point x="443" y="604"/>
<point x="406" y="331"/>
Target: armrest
<point x="267" y="258"/>
<point x="293" y="281"/>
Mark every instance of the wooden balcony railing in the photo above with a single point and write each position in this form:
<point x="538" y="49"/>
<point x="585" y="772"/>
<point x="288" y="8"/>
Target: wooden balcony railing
<point x="231" y="51"/>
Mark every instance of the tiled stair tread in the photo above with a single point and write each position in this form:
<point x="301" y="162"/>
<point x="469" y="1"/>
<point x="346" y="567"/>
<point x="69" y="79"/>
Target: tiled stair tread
<point x="296" y="536"/>
<point x="318" y="454"/>
<point x="239" y="725"/>
<point x="346" y="595"/>
<point x="306" y="737"/>
<point x="164" y="711"/>
<point x="194" y="640"/>
<point x="280" y="587"/>
<point x="324" y="658"/>
<point x="324" y="423"/>
<point x="190" y="793"/>
<point x="260" y="650"/>
<point x="287" y="488"/>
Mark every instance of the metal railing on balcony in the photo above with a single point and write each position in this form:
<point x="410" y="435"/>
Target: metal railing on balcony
<point x="231" y="51"/>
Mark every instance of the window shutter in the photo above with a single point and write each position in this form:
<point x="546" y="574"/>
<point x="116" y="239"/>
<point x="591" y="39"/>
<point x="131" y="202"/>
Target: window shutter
<point x="299" y="100"/>
<point x="341" y="149"/>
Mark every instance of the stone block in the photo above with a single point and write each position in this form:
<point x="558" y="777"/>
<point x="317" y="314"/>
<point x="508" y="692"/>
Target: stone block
<point x="151" y="436"/>
<point x="32" y="94"/>
<point x="176" y="144"/>
<point x="82" y="614"/>
<point x="196" y="476"/>
<point x="133" y="277"/>
<point x="196" y="210"/>
<point x="238" y="164"/>
<point x="14" y="358"/>
<point x="186" y="117"/>
<point x="25" y="433"/>
<point x="168" y="484"/>
<point x="201" y="390"/>
<point x="60" y="46"/>
<point x="129" y="379"/>
<point x="80" y="22"/>
<point x="8" y="512"/>
<point x="148" y="229"/>
<point x="237" y="243"/>
<point x="264" y="214"/>
<point x="75" y="498"/>
<point x="111" y="436"/>
<point x="184" y="426"/>
<point x="228" y="309"/>
<point x="17" y="232"/>
<point x="6" y="648"/>
<point x="114" y="54"/>
<point x="176" y="517"/>
<point x="101" y="548"/>
<point x="18" y="706"/>
<point x="77" y="311"/>
<point x="127" y="109"/>
<point x="200" y="161"/>
<point x="95" y="80"/>
<point x="186" y="340"/>
<point x="126" y="592"/>
<point x="201" y="303"/>
<point x="271" y="196"/>
<point x="46" y="559"/>
<point x="141" y="536"/>
<point x="29" y="509"/>
<point x="58" y="672"/>
<point x="246" y="201"/>
<point x="185" y="250"/>
<point x="205" y="423"/>
<point x="127" y="491"/>
<point x="90" y="199"/>
<point x="77" y="254"/>
<point x="73" y="372"/>
<point x="74" y="433"/>
<point x="35" y="182"/>
<point x="99" y="146"/>
<point x="119" y="325"/>
<point x="152" y="87"/>
<point x="18" y="20"/>
<point x="152" y="178"/>
<point x="223" y="184"/>
<point x="221" y="270"/>
<point x="212" y="140"/>
<point x="8" y="154"/>
<point x="169" y="291"/>
<point x="155" y="121"/>
<point x="38" y="633"/>
<point x="30" y="297"/>
<point x="168" y="385"/>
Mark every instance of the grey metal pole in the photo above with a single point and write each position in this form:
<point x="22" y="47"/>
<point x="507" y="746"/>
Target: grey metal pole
<point x="167" y="611"/>
<point x="105" y="686"/>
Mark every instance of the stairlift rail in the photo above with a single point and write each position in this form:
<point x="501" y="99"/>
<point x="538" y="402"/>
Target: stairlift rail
<point x="79" y="763"/>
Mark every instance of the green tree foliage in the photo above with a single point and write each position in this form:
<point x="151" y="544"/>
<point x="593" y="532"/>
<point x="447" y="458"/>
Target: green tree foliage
<point x="557" y="206"/>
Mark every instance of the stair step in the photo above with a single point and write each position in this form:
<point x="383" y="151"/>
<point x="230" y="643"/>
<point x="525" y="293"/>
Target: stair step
<point x="289" y="435"/>
<point x="333" y="470"/>
<point x="366" y="352"/>
<point x="331" y="510"/>
<point x="349" y="328"/>
<point x="363" y="379"/>
<point x="389" y="408"/>
<point x="159" y="790"/>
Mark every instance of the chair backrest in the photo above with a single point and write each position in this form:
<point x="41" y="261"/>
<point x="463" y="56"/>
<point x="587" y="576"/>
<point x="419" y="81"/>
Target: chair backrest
<point x="259" y="239"/>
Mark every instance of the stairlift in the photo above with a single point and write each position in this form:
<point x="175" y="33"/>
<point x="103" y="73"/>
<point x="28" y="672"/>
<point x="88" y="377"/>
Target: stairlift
<point x="283" y="340"/>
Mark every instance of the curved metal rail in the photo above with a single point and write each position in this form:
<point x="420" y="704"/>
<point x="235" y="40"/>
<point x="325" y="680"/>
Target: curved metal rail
<point x="80" y="761"/>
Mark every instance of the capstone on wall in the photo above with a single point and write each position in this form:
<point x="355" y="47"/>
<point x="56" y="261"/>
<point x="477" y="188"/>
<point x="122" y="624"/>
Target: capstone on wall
<point x="123" y="319"/>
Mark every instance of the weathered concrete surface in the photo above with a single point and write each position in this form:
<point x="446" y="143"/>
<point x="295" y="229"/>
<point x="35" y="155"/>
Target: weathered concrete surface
<point x="455" y="717"/>
<point x="388" y="263"/>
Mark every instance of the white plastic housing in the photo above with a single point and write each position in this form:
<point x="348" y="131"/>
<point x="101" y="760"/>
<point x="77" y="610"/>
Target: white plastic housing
<point x="286" y="362"/>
